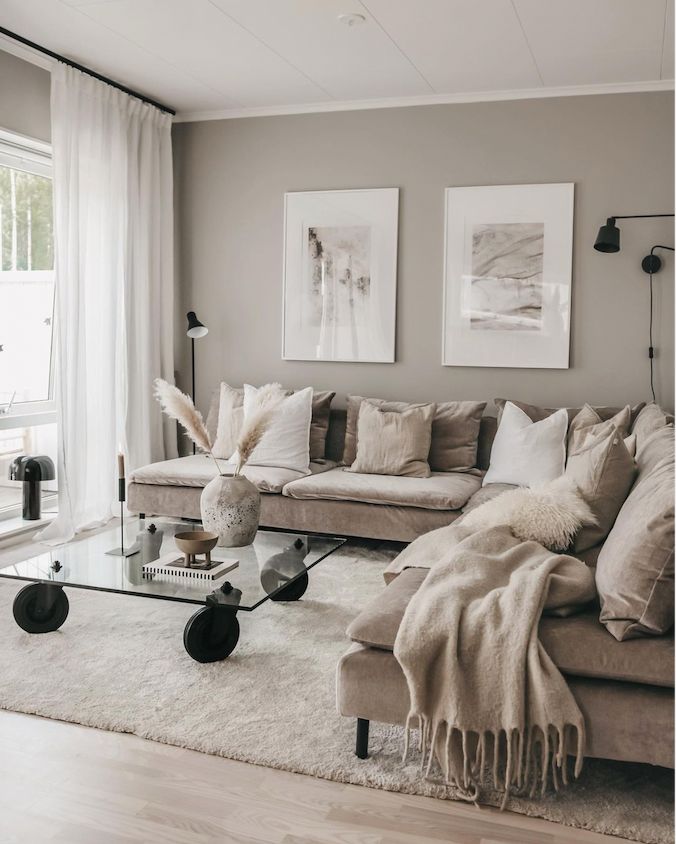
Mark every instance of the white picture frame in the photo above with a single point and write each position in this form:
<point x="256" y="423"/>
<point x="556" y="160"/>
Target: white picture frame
<point x="507" y="276"/>
<point x="340" y="275"/>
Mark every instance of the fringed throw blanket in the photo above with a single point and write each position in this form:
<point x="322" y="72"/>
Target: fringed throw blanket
<point x="486" y="696"/>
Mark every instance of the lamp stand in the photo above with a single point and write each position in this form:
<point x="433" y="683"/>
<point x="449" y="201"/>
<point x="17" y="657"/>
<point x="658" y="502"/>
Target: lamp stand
<point x="122" y="551"/>
<point x="192" y="350"/>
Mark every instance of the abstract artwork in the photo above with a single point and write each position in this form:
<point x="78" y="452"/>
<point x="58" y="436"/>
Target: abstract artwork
<point x="506" y="283"/>
<point x="507" y="276"/>
<point x="340" y="275"/>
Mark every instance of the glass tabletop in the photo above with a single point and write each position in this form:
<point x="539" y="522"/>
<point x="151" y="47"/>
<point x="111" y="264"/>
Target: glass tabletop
<point x="274" y="561"/>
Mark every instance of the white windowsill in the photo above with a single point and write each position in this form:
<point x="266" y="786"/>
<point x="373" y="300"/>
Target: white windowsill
<point x="17" y="528"/>
<point x="27" y="419"/>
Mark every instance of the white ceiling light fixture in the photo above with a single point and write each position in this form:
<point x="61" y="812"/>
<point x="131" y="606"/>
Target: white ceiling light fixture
<point x="352" y="19"/>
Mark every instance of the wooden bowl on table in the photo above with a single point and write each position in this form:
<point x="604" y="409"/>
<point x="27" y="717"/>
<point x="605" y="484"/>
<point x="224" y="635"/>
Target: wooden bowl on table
<point x="194" y="542"/>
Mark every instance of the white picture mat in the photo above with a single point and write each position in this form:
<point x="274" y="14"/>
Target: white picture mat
<point x="379" y="210"/>
<point x="550" y="204"/>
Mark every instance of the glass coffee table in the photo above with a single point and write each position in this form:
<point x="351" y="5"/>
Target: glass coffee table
<point x="275" y="567"/>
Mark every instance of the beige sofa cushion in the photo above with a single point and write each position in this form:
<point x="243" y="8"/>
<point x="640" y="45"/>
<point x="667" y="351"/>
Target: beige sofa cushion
<point x="441" y="491"/>
<point x="589" y="422"/>
<point x="635" y="569"/>
<point x="538" y="413"/>
<point x="578" y="644"/>
<point x="455" y="432"/>
<point x="649" y="420"/>
<point x="226" y="416"/>
<point x="394" y="443"/>
<point x="198" y="469"/>
<point x="604" y="470"/>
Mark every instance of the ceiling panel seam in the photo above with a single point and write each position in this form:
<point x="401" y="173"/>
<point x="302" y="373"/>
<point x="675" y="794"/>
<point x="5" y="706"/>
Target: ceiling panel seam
<point x="401" y="52"/>
<point x="528" y="45"/>
<point x="271" y="49"/>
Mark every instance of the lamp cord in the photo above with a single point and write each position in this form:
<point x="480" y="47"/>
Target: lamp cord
<point x="651" y="350"/>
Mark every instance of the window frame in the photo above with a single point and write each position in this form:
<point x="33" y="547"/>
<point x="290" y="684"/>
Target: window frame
<point x="29" y="155"/>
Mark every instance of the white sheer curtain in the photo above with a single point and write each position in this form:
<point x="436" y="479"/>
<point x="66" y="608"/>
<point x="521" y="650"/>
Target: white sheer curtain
<point x="113" y="218"/>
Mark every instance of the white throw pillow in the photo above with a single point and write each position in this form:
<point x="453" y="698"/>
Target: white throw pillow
<point x="286" y="443"/>
<point x="526" y="453"/>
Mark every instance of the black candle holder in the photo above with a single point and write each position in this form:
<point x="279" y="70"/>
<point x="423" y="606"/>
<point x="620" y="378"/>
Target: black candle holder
<point x="121" y="551"/>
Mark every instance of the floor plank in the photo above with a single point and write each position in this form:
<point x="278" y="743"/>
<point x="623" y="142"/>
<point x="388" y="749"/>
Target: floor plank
<point x="62" y="783"/>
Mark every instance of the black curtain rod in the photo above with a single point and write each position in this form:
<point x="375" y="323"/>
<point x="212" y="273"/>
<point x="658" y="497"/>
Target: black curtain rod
<point x="638" y="216"/>
<point x="84" y="69"/>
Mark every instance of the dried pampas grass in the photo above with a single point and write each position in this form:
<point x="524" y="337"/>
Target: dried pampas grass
<point x="180" y="407"/>
<point x="268" y="400"/>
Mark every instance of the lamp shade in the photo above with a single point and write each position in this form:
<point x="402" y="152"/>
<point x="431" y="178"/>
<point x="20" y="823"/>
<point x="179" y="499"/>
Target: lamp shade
<point x="195" y="328"/>
<point x="32" y="469"/>
<point x="608" y="238"/>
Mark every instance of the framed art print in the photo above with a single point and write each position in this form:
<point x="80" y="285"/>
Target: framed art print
<point x="507" y="276"/>
<point x="340" y="275"/>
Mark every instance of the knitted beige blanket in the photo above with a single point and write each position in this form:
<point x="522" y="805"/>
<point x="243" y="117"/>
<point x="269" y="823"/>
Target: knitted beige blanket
<point x="486" y="696"/>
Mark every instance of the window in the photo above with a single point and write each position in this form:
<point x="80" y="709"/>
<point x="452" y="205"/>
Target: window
<point x="27" y="414"/>
<point x="26" y="272"/>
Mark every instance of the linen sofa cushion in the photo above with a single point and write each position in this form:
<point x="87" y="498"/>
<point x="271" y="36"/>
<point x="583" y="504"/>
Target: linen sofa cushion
<point x="229" y="421"/>
<point x="578" y="644"/>
<point x="604" y="471"/>
<point x="198" y="469"/>
<point x="393" y="442"/>
<point x="226" y="416"/>
<point x="635" y="568"/>
<point x="526" y="452"/>
<point x="537" y="414"/>
<point x="589" y="422"/>
<point x="455" y="432"/>
<point x="441" y="491"/>
<point x="649" y="420"/>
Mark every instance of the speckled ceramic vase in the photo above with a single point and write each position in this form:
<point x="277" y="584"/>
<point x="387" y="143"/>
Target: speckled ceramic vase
<point x="231" y="507"/>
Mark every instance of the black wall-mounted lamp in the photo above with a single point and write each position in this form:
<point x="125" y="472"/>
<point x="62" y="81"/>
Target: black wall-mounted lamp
<point x="196" y="329"/>
<point x="608" y="240"/>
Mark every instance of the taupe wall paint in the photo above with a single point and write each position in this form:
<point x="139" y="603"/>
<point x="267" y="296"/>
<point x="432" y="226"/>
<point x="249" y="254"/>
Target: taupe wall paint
<point x="24" y="98"/>
<point x="231" y="179"/>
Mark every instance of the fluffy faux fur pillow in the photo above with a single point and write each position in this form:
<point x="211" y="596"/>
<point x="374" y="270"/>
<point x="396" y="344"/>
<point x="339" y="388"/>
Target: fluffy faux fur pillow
<point x="550" y="513"/>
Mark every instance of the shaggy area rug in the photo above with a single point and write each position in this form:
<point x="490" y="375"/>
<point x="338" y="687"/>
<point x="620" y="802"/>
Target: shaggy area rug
<point x="118" y="663"/>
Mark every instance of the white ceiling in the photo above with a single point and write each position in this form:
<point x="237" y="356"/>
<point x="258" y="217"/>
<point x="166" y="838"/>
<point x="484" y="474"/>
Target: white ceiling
<point x="228" y="58"/>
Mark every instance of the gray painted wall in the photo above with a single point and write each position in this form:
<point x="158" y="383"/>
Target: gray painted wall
<point x="231" y="176"/>
<point x="24" y="98"/>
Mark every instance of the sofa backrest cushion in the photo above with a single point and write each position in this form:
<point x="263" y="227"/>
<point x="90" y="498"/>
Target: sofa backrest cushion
<point x="635" y="568"/>
<point x="321" y="410"/>
<point x="455" y="432"/>
<point x="600" y="464"/>
<point x="650" y="419"/>
<point x="537" y="414"/>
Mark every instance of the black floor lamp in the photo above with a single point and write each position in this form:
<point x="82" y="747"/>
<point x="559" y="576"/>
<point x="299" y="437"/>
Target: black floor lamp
<point x="608" y="240"/>
<point x="195" y="330"/>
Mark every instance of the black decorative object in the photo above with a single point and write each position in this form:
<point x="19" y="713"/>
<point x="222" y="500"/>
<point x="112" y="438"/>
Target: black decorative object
<point x="40" y="607"/>
<point x="195" y="331"/>
<point x="362" y="748"/>
<point x="211" y="634"/>
<point x="121" y="551"/>
<point x="608" y="240"/>
<point x="32" y="471"/>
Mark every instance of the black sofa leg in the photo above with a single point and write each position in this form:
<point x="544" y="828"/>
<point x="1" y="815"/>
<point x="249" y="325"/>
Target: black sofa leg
<point x="141" y="516"/>
<point x="362" y="749"/>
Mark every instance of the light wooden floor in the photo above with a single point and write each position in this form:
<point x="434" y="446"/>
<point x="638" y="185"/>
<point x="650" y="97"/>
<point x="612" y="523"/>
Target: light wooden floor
<point x="73" y="785"/>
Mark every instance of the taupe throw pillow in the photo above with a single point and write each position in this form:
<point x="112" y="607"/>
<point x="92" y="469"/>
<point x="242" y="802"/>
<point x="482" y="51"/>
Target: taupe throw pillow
<point x="455" y="432"/>
<point x="589" y="421"/>
<point x="537" y="414"/>
<point x="649" y="420"/>
<point x="394" y="442"/>
<point x="231" y="417"/>
<point x="635" y="569"/>
<point x="604" y="470"/>
<point x="230" y="420"/>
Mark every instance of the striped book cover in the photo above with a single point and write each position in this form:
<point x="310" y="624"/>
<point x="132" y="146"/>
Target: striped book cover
<point x="173" y="565"/>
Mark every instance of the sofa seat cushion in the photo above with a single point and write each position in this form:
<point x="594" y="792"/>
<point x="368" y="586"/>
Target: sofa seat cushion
<point x="441" y="491"/>
<point x="579" y="645"/>
<point x="198" y="469"/>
